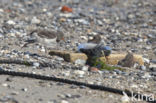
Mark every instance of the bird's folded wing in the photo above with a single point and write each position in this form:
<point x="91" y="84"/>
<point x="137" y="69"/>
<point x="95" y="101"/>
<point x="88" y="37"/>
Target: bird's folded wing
<point x="86" y="46"/>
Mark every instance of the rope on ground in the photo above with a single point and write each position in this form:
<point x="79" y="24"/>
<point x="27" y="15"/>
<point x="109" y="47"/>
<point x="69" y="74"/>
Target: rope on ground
<point x="24" y="62"/>
<point x="92" y="86"/>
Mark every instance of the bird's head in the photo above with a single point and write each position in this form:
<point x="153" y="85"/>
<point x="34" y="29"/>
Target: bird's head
<point x="60" y="36"/>
<point x="96" y="39"/>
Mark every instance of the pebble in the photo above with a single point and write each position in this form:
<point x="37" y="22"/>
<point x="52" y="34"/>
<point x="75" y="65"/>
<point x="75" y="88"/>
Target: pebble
<point x="143" y="67"/>
<point x="14" y="93"/>
<point x="85" y="68"/>
<point x="35" y="20"/>
<point x="36" y="64"/>
<point x="93" y="69"/>
<point x="152" y="67"/>
<point x="84" y="37"/>
<point x="81" y="21"/>
<point x="9" y="79"/>
<point x="153" y="73"/>
<point x="73" y="87"/>
<point x="52" y="101"/>
<point x="146" y="75"/>
<point x="68" y="95"/>
<point x="83" y="87"/>
<point x="106" y="71"/>
<point x="7" y="99"/>
<point x="118" y="71"/>
<point x="1" y="35"/>
<point x="66" y="73"/>
<point x="11" y="22"/>
<point x="24" y="89"/>
<point x="61" y="96"/>
<point x="64" y="101"/>
<point x="117" y="23"/>
<point x="146" y="60"/>
<point x="5" y="85"/>
<point x="66" y="9"/>
<point x="79" y="72"/>
<point x="153" y="61"/>
<point x="80" y="62"/>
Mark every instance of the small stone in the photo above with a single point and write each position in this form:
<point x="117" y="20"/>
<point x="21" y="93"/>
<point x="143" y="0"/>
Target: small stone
<point x="62" y="19"/>
<point x="146" y="60"/>
<point x="60" y="84"/>
<point x="8" y="99"/>
<point x="153" y="61"/>
<point x="1" y="35"/>
<point x="152" y="67"/>
<point x="1" y="10"/>
<point x="5" y="85"/>
<point x="83" y="87"/>
<point x="134" y="86"/>
<point x="11" y="22"/>
<point x="142" y="67"/>
<point x="66" y="9"/>
<point x="66" y="73"/>
<point x="82" y="21"/>
<point x="79" y="72"/>
<point x="9" y="79"/>
<point x="35" y="20"/>
<point x="73" y="87"/>
<point x="11" y="34"/>
<point x="84" y="37"/>
<point x="117" y="71"/>
<point x="106" y="71"/>
<point x="80" y="62"/>
<point x="76" y="96"/>
<point x="146" y="75"/>
<point x="14" y="93"/>
<point x="61" y="95"/>
<point x="26" y="56"/>
<point x="43" y="49"/>
<point x="153" y="73"/>
<point x="64" y="101"/>
<point x="85" y="68"/>
<point x="93" y="69"/>
<point x="36" y="64"/>
<point x="68" y="95"/>
<point x="24" y="89"/>
<point x="52" y="101"/>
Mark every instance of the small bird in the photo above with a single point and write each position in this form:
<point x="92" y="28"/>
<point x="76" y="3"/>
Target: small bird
<point x="96" y="39"/>
<point x="128" y="61"/>
<point x="95" y="47"/>
<point x="46" y="37"/>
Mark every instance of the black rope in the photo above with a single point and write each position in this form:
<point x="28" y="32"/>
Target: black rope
<point x="92" y="86"/>
<point x="24" y="62"/>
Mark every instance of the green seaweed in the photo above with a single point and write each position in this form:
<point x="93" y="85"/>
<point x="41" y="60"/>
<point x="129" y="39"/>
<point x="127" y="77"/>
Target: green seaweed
<point x="102" y="65"/>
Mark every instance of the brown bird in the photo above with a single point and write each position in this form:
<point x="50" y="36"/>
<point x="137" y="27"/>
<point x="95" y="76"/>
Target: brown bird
<point x="96" y="39"/>
<point x="46" y="37"/>
<point x="128" y="61"/>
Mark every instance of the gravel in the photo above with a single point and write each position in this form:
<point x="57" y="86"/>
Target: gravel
<point x="123" y="24"/>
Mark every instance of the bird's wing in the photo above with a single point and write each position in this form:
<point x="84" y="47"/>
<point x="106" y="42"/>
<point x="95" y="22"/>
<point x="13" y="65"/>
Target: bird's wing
<point x="86" y="46"/>
<point x="47" y="34"/>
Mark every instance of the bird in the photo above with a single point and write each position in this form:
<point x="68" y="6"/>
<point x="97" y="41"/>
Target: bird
<point x="48" y="38"/>
<point x="95" y="48"/>
<point x="128" y="61"/>
<point x="96" y="39"/>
